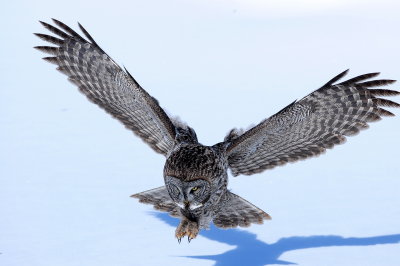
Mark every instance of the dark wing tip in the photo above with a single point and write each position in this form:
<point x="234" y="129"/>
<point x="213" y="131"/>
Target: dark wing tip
<point x="336" y="78"/>
<point x="375" y="83"/>
<point x="381" y="92"/>
<point x="44" y="24"/>
<point x="50" y="39"/>
<point x="385" y="102"/>
<point x="57" y="22"/>
<point x="384" y="112"/>
<point x="356" y="79"/>
<point x="47" y="49"/>
<point x="86" y="33"/>
<point x="68" y="30"/>
<point x="52" y="60"/>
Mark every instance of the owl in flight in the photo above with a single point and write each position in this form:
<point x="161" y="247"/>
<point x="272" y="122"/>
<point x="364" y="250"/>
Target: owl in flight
<point x="195" y="175"/>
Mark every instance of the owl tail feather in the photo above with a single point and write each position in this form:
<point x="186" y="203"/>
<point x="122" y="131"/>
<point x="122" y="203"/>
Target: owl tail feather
<point x="235" y="211"/>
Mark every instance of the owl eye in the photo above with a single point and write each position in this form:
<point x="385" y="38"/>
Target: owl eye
<point x="174" y="189"/>
<point x="194" y="189"/>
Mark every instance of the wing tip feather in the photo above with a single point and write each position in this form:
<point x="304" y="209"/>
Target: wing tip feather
<point x="336" y="78"/>
<point x="50" y="59"/>
<point x="384" y="112"/>
<point x="47" y="49"/>
<point x="49" y="38"/>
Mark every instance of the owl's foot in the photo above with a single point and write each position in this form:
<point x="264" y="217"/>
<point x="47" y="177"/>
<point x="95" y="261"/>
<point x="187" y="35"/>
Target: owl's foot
<point x="187" y="228"/>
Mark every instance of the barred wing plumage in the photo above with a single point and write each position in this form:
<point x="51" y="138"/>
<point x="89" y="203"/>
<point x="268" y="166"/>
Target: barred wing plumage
<point x="108" y="86"/>
<point x="234" y="211"/>
<point x="160" y="199"/>
<point x="311" y="125"/>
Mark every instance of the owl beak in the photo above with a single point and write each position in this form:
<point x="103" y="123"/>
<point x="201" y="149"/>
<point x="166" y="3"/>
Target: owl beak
<point x="186" y="204"/>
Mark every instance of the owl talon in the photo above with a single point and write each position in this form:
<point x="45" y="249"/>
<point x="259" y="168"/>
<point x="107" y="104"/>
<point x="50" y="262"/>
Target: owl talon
<point x="187" y="228"/>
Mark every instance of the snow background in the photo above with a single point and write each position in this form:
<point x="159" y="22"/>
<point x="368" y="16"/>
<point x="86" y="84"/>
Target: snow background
<point x="67" y="169"/>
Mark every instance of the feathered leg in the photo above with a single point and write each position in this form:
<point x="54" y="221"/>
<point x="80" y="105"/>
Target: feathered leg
<point x="187" y="228"/>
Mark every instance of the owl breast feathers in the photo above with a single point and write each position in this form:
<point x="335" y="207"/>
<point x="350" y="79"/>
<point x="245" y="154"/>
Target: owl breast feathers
<point x="195" y="175"/>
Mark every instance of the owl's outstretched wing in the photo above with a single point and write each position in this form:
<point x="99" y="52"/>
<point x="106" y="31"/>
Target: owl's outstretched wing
<point x="311" y="125"/>
<point x="108" y="86"/>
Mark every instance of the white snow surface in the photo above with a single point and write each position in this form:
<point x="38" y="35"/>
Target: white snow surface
<point x="67" y="169"/>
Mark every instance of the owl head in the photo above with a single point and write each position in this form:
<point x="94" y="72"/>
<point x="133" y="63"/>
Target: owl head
<point x="191" y="174"/>
<point x="188" y="195"/>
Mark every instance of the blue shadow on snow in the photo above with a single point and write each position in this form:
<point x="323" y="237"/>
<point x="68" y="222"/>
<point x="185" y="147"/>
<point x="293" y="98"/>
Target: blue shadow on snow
<point x="258" y="253"/>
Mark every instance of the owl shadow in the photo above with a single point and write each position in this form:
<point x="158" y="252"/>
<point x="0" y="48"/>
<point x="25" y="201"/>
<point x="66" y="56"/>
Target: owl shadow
<point x="259" y="253"/>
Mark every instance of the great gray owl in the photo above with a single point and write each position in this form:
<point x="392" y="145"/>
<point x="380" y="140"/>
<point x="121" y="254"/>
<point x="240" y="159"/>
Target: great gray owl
<point x="195" y="175"/>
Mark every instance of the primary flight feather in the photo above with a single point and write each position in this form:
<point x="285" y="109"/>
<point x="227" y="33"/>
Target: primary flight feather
<point x="195" y="175"/>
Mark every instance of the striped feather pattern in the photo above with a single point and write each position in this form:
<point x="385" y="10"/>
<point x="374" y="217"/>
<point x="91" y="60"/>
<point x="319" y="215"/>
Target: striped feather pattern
<point x="107" y="85"/>
<point x="234" y="211"/>
<point x="311" y="125"/>
<point x="160" y="199"/>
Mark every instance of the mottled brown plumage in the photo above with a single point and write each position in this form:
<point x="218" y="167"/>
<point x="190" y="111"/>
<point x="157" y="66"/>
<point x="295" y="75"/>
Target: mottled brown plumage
<point x="195" y="175"/>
